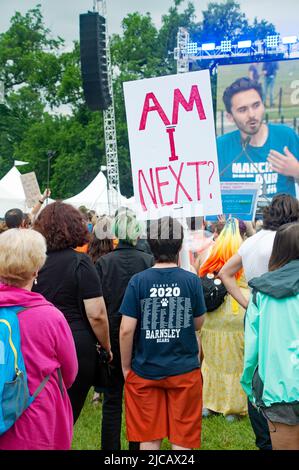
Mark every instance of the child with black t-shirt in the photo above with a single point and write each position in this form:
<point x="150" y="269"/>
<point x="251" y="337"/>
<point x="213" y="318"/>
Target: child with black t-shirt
<point x="162" y="308"/>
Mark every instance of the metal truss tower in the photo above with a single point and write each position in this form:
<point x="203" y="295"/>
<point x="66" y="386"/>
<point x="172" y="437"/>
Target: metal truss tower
<point x="180" y="52"/>
<point x="109" y="126"/>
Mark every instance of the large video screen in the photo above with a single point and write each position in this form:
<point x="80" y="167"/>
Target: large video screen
<point x="258" y="123"/>
<point x="280" y="88"/>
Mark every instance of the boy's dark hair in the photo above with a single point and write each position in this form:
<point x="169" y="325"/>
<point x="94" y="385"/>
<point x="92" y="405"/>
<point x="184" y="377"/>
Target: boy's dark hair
<point x="283" y="209"/>
<point x="14" y="218"/>
<point x="285" y="246"/>
<point x="165" y="238"/>
<point x="242" y="84"/>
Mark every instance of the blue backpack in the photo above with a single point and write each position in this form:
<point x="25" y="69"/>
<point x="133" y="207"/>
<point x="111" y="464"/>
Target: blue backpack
<point x="14" y="392"/>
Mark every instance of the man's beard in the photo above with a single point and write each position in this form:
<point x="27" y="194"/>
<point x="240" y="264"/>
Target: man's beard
<point x="251" y="128"/>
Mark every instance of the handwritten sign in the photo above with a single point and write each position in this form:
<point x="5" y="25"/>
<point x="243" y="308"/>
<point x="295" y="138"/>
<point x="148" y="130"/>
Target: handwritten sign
<point x="31" y="188"/>
<point x="172" y="145"/>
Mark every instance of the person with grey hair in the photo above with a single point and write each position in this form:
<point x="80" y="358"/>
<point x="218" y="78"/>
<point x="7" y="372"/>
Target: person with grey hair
<point x="48" y="347"/>
<point x="115" y="270"/>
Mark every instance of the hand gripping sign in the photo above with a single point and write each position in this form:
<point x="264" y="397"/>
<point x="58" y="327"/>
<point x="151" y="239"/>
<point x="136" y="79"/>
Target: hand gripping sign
<point x="172" y="145"/>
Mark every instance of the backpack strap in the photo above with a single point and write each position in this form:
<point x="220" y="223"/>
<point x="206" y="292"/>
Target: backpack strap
<point x="45" y="380"/>
<point x="15" y="353"/>
<point x="60" y="381"/>
<point x="41" y="386"/>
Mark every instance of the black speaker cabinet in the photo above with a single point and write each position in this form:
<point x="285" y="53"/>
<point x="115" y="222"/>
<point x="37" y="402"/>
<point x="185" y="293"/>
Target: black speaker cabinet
<point x="94" y="61"/>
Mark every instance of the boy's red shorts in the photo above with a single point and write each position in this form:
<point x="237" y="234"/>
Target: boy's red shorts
<point x="169" y="407"/>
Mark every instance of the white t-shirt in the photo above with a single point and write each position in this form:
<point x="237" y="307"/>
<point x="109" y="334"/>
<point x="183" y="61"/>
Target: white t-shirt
<point x="255" y="253"/>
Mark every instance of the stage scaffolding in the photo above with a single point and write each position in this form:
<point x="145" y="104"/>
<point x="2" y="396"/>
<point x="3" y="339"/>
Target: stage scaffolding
<point x="110" y="127"/>
<point x="210" y="54"/>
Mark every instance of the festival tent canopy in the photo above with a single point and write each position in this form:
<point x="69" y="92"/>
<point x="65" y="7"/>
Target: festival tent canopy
<point x="12" y="194"/>
<point x="95" y="196"/>
<point x="12" y="182"/>
<point x="8" y="201"/>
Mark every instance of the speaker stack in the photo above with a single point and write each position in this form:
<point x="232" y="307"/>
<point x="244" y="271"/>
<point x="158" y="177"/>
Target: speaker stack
<point x="94" y="61"/>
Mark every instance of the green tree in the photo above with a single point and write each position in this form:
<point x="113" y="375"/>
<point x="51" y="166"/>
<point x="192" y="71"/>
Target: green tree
<point x="142" y="51"/>
<point x="39" y="77"/>
<point x="167" y="37"/>
<point x="226" y="21"/>
<point x="30" y="70"/>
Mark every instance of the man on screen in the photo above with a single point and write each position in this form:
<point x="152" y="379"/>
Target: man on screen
<point x="265" y="153"/>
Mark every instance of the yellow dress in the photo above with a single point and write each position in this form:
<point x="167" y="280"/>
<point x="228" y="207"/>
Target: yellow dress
<point x="222" y="339"/>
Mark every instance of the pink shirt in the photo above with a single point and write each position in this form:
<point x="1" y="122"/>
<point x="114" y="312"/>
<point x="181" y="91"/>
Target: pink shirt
<point x="47" y="344"/>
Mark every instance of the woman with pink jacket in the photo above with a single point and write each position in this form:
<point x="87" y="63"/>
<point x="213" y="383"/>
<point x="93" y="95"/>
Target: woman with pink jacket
<point x="47" y="345"/>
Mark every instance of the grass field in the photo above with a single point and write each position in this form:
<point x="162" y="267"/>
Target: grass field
<point x="217" y="433"/>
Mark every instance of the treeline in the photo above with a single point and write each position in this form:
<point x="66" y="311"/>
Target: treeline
<point x="44" y="110"/>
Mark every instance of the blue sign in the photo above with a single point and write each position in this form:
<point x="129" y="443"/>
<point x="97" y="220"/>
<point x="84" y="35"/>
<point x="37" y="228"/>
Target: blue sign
<point x="238" y="200"/>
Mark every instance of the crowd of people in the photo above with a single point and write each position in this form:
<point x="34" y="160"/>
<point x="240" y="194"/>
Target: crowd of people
<point x="87" y="283"/>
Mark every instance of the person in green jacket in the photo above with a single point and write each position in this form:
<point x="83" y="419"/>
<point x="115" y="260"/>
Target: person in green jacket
<point x="271" y="362"/>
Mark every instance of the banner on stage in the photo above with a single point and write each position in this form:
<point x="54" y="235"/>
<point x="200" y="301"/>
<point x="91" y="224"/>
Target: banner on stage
<point x="173" y="145"/>
<point x="31" y="188"/>
<point x="239" y="200"/>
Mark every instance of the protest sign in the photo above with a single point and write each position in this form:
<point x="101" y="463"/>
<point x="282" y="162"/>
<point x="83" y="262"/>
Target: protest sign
<point x="31" y="188"/>
<point x="172" y="145"/>
<point x="239" y="200"/>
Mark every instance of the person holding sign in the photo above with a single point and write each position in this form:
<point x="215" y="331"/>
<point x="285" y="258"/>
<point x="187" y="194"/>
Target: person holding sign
<point x="15" y="218"/>
<point x="257" y="152"/>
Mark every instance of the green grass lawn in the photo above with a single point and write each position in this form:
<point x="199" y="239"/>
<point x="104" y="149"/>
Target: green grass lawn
<point x="217" y="433"/>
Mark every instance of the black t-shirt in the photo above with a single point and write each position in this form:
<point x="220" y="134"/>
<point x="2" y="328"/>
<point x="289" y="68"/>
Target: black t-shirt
<point x="115" y="270"/>
<point x="66" y="279"/>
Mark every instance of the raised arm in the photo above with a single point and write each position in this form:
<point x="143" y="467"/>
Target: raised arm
<point x="38" y="205"/>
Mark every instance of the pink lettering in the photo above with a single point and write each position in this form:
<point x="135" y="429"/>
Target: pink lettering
<point x="160" y="184"/>
<point x="197" y="165"/>
<point x="152" y="192"/>
<point x="179" y="184"/>
<point x="155" y="107"/>
<point x="170" y="131"/>
<point x="178" y="99"/>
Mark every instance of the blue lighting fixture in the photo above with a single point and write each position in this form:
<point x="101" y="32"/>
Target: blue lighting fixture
<point x="289" y="40"/>
<point x="272" y="41"/>
<point x="209" y="46"/>
<point x="226" y="46"/>
<point x="192" y="48"/>
<point x="244" y="44"/>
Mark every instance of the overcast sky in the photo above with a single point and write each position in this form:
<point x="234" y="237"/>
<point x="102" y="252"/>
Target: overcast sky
<point x="62" y="16"/>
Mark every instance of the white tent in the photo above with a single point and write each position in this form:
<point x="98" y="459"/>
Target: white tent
<point x="12" y="182"/>
<point x="12" y="194"/>
<point x="9" y="201"/>
<point x="95" y="196"/>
